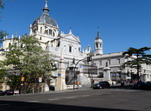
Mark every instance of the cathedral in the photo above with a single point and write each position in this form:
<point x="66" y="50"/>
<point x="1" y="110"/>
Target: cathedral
<point x="71" y="61"/>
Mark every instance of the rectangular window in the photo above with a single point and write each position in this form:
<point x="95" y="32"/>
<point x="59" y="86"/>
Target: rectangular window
<point x="50" y="32"/>
<point x="100" y="63"/>
<point x="109" y="61"/>
<point x="119" y="61"/>
<point x="147" y="75"/>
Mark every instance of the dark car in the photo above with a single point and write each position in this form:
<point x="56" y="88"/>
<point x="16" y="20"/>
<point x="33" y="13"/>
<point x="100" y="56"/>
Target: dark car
<point x="101" y="85"/>
<point x="1" y="93"/>
<point x="8" y="92"/>
<point x="148" y="85"/>
<point x="139" y="85"/>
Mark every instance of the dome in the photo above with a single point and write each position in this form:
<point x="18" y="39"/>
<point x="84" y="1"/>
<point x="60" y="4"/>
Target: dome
<point x="45" y="19"/>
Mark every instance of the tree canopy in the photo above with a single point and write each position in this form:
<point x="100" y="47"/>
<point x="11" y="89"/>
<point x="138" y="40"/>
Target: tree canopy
<point x="2" y="35"/>
<point x="140" y="57"/>
<point x="1" y="4"/>
<point x="26" y="56"/>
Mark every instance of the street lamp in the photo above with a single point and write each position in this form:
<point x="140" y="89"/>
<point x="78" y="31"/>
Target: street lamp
<point x="74" y="70"/>
<point x="88" y="59"/>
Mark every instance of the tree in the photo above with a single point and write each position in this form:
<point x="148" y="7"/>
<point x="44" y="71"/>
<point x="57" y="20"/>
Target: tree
<point x="1" y="4"/>
<point x="36" y="61"/>
<point x="140" y="57"/>
<point x="2" y="35"/>
<point x="2" y="70"/>
<point x="27" y="56"/>
<point x="13" y="63"/>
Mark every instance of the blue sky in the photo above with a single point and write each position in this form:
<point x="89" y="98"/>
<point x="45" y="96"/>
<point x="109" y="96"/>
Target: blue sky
<point x="123" y="23"/>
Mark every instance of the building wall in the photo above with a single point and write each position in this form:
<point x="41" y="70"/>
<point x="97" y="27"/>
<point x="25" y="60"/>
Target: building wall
<point x="115" y="60"/>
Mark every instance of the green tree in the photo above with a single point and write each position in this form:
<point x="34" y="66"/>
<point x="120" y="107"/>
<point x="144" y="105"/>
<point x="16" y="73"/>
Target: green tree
<point x="1" y="4"/>
<point x="2" y="70"/>
<point x="2" y="35"/>
<point x="27" y="56"/>
<point x="140" y="57"/>
<point x="14" y="54"/>
<point x="13" y="62"/>
<point x="36" y="61"/>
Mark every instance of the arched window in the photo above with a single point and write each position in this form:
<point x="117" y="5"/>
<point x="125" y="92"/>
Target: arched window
<point x="100" y="45"/>
<point x="53" y="34"/>
<point x="58" y="45"/>
<point x="9" y="45"/>
<point x="46" y="31"/>
<point x="96" y="45"/>
<point x="50" y="32"/>
<point x="40" y="29"/>
<point x="70" y="49"/>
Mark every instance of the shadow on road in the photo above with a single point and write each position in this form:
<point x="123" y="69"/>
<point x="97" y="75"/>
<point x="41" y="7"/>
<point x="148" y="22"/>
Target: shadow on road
<point x="122" y="87"/>
<point x="28" y="106"/>
<point x="130" y="87"/>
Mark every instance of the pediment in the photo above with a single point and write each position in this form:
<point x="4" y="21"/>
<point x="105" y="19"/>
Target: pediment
<point x="71" y="37"/>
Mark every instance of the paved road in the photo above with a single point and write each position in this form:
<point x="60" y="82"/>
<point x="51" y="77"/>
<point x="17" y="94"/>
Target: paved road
<point x="80" y="100"/>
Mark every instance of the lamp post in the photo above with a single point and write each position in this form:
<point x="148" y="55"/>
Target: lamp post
<point x="74" y="70"/>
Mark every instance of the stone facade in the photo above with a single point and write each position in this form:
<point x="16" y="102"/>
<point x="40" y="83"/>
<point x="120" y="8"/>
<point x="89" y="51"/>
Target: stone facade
<point x="114" y="61"/>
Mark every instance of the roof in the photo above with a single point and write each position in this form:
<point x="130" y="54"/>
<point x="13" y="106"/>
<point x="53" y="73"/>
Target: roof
<point x="98" y="36"/>
<point x="45" y="18"/>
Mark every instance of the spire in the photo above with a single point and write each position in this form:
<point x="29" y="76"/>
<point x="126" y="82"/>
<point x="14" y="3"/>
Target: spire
<point x="70" y="31"/>
<point x="98" y="35"/>
<point x="45" y="9"/>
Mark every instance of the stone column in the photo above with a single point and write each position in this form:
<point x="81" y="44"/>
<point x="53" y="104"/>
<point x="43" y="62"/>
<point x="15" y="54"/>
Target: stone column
<point x="106" y="73"/>
<point x="60" y="81"/>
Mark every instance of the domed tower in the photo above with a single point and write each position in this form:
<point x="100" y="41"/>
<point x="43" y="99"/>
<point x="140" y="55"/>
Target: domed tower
<point x="98" y="45"/>
<point x="44" y="28"/>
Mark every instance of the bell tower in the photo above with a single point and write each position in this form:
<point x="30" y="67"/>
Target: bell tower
<point x="98" y="45"/>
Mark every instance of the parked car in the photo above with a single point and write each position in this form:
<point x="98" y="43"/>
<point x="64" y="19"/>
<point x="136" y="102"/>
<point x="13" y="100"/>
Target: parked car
<point x="148" y="85"/>
<point x="8" y="92"/>
<point x="139" y="85"/>
<point x="1" y="93"/>
<point x="101" y="85"/>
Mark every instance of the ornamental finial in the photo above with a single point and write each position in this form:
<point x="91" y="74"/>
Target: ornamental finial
<point x="46" y="4"/>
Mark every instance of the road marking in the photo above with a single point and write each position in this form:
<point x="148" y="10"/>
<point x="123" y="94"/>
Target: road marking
<point x="85" y="96"/>
<point x="70" y="97"/>
<point x="53" y="99"/>
<point x="33" y="101"/>
<point x="4" y="105"/>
